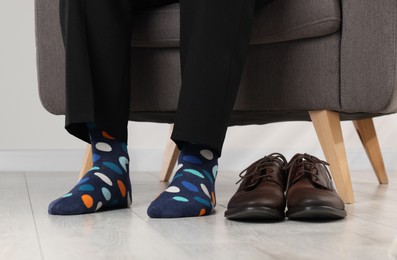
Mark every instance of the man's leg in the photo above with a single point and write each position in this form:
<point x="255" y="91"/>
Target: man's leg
<point x="214" y="44"/>
<point x="97" y="48"/>
<point x="96" y="35"/>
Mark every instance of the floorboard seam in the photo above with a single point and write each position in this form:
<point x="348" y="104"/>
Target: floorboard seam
<point x="34" y="217"/>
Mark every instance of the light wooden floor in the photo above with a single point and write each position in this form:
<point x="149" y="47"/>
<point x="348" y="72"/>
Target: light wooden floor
<point x="28" y="232"/>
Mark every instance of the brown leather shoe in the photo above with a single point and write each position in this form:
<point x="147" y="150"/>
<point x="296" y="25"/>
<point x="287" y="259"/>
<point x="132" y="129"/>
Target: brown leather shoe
<point x="310" y="193"/>
<point x="261" y="192"/>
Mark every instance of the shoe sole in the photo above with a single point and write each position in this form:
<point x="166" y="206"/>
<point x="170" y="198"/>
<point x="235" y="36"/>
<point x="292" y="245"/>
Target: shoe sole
<point x="316" y="213"/>
<point x="254" y="213"/>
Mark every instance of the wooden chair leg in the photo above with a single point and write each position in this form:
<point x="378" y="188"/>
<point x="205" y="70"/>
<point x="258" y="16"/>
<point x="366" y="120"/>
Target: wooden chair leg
<point x="329" y="133"/>
<point x="87" y="162"/>
<point x="171" y="154"/>
<point x="366" y="131"/>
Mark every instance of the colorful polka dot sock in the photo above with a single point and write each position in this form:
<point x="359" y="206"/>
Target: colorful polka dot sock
<point x="106" y="185"/>
<point x="192" y="190"/>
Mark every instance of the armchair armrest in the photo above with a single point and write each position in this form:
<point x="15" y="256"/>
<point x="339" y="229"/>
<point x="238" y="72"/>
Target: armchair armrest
<point x="50" y="56"/>
<point x="369" y="56"/>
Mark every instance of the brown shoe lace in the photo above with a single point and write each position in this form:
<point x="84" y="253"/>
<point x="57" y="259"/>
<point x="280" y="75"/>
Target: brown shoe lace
<point x="261" y="169"/>
<point x="306" y="163"/>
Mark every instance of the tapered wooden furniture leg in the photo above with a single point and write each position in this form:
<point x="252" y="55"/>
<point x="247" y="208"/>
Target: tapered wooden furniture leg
<point x="366" y="131"/>
<point x="171" y="154"/>
<point x="87" y="163"/>
<point x="329" y="133"/>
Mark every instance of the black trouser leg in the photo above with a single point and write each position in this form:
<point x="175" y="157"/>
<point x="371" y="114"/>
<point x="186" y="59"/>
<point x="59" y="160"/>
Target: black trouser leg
<point x="97" y="47"/>
<point x="215" y="38"/>
<point x="97" y="37"/>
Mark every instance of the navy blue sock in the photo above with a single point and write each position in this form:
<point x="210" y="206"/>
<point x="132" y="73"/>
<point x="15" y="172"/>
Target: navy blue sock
<point x="192" y="190"/>
<point x="106" y="185"/>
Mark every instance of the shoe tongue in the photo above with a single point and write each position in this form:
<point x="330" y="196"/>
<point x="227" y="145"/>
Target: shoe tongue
<point x="256" y="177"/>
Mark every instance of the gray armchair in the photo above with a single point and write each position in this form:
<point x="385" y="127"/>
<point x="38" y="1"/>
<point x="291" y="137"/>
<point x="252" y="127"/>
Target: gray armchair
<point x="318" y="60"/>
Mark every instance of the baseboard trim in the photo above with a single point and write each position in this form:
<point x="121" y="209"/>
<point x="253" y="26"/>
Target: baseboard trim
<point x="150" y="159"/>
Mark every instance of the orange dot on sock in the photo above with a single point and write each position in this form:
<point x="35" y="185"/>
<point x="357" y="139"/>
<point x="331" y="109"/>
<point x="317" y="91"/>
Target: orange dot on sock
<point x="202" y="212"/>
<point x="106" y="135"/>
<point x="88" y="200"/>
<point x="213" y="198"/>
<point x="122" y="188"/>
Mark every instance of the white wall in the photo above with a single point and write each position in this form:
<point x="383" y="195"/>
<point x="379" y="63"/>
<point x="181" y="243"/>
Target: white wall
<point x="31" y="134"/>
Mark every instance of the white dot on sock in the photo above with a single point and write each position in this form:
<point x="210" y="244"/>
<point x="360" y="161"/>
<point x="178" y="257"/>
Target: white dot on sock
<point x="98" y="206"/>
<point x="207" y="154"/>
<point x="173" y="189"/>
<point x="104" y="147"/>
<point x="104" y="178"/>
<point x="204" y="188"/>
<point x="129" y="200"/>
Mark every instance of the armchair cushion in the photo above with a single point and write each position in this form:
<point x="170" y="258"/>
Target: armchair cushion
<point x="280" y="20"/>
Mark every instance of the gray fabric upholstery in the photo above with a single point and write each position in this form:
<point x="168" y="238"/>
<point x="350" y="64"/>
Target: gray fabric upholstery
<point x="263" y="86"/>
<point x="368" y="56"/>
<point x="50" y="57"/>
<point x="279" y="21"/>
<point x="302" y="58"/>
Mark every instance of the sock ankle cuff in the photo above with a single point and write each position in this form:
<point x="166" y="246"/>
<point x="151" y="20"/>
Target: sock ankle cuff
<point x="205" y="151"/>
